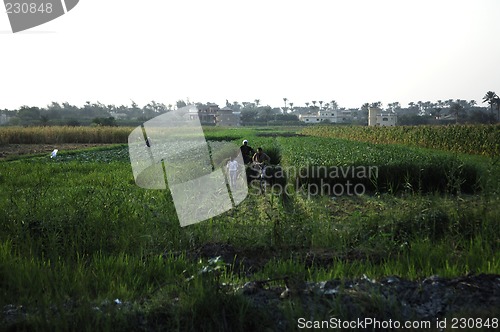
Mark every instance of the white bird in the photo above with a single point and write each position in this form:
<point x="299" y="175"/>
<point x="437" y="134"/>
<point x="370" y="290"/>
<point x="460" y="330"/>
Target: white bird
<point x="54" y="153"/>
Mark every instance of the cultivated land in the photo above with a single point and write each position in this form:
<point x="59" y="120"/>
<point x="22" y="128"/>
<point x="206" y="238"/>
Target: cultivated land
<point x="83" y="248"/>
<point x="13" y="151"/>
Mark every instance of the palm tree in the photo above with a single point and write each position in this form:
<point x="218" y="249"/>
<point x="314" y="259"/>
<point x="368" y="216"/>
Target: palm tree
<point x="490" y="97"/>
<point x="314" y="103"/>
<point x="291" y="107"/>
<point x="420" y="103"/>
<point x="455" y="109"/>
<point x="285" y="99"/>
<point x="307" y="104"/>
<point x="266" y="113"/>
<point x="363" y="112"/>
<point x="395" y="106"/>
<point x="427" y="105"/>
<point x="257" y="102"/>
<point x="334" y="104"/>
<point x="320" y="104"/>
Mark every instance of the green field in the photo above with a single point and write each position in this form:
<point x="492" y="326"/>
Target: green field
<point x="83" y="248"/>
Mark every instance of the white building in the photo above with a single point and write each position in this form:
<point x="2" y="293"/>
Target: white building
<point x="4" y="119"/>
<point x="327" y="116"/>
<point x="377" y="117"/>
<point x="118" y="116"/>
<point x="322" y="116"/>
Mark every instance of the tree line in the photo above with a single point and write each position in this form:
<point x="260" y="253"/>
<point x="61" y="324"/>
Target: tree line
<point x="253" y="113"/>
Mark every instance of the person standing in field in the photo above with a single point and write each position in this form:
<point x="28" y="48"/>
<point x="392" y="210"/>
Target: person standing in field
<point x="247" y="152"/>
<point x="232" y="167"/>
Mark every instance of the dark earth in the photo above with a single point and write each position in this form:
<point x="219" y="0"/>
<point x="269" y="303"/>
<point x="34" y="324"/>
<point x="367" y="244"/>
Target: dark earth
<point x="391" y="297"/>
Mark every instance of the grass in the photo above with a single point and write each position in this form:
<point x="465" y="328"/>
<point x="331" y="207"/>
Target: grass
<point x="77" y="234"/>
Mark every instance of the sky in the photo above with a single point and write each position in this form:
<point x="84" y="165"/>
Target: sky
<point x="353" y="52"/>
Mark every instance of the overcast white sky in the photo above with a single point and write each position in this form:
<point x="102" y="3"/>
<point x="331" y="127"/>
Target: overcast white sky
<point x="356" y="51"/>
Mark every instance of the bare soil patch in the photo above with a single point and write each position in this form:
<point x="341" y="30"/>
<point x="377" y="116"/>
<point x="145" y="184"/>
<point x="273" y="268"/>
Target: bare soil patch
<point x="390" y="297"/>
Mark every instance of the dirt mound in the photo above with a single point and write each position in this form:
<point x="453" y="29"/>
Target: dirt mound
<point x="391" y="297"/>
<point x="388" y="298"/>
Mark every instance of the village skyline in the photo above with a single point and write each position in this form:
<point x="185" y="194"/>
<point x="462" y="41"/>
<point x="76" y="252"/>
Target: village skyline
<point x="352" y="52"/>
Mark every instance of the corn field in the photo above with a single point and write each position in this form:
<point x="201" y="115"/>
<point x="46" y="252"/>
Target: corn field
<point x="471" y="139"/>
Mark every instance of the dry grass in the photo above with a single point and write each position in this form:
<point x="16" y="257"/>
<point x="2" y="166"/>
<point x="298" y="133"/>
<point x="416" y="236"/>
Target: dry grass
<point x="64" y="134"/>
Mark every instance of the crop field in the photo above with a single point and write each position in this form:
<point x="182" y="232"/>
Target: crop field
<point x="393" y="168"/>
<point x="349" y="227"/>
<point x="474" y="139"/>
<point x="64" y="134"/>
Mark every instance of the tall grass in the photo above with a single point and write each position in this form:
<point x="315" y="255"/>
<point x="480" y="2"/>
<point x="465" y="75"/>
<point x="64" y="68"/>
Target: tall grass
<point x="63" y="134"/>
<point x="474" y="139"/>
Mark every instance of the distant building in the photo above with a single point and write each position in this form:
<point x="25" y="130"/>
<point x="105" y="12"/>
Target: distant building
<point x="344" y="116"/>
<point x="327" y="116"/>
<point x="206" y="113"/>
<point x="118" y="116"/>
<point x="211" y="115"/>
<point x="377" y="117"/>
<point x="227" y="117"/>
<point x="450" y="118"/>
<point x="4" y="119"/>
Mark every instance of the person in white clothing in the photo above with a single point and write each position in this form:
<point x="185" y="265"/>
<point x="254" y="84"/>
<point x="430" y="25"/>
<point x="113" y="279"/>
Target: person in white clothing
<point x="232" y="167"/>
